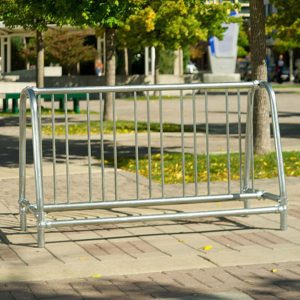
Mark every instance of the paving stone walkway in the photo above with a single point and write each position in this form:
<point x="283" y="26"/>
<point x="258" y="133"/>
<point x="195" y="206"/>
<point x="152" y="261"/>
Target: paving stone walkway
<point x="213" y="258"/>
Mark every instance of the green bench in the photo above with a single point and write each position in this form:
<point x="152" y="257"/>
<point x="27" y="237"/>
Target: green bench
<point x="15" y="97"/>
<point x="76" y="98"/>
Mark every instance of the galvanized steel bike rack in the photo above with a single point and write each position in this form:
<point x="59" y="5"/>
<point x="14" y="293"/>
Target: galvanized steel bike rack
<point x="246" y="192"/>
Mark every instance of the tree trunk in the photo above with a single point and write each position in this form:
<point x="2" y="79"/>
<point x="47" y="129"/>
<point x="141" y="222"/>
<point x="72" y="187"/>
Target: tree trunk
<point x="261" y="122"/>
<point x="40" y="59"/>
<point x="110" y="70"/>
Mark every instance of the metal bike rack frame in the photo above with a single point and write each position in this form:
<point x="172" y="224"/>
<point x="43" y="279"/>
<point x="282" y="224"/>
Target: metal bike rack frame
<point x="246" y="191"/>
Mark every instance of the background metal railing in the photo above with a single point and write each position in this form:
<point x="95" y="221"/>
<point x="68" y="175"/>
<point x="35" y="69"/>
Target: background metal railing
<point x="78" y="162"/>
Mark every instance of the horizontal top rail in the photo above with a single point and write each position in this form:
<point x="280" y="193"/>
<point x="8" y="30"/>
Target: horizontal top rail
<point x="144" y="87"/>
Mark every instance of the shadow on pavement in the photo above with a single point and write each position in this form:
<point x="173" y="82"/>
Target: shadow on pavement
<point x="177" y="285"/>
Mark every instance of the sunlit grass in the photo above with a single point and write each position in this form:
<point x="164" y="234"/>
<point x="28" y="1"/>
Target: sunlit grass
<point x="265" y="166"/>
<point x="108" y="127"/>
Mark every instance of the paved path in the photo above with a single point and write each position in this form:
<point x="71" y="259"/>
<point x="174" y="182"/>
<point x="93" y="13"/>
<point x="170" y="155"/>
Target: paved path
<point x="213" y="258"/>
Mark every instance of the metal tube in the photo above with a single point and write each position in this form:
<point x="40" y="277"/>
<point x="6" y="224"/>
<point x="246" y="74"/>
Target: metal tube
<point x="162" y="163"/>
<point x="176" y="216"/>
<point x="151" y="202"/>
<point x="252" y="137"/>
<point x="182" y="144"/>
<point x="149" y="146"/>
<point x="22" y="160"/>
<point x="115" y="145"/>
<point x="145" y="87"/>
<point x="247" y="172"/>
<point x="67" y="147"/>
<point x="240" y="137"/>
<point x="38" y="171"/>
<point x="207" y="144"/>
<point x="89" y="146"/>
<point x="195" y="144"/>
<point x="53" y="148"/>
<point x="101" y="110"/>
<point x="227" y="143"/>
<point x="136" y="148"/>
<point x="278" y="149"/>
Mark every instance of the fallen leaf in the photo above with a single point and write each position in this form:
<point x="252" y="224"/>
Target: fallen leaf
<point x="207" y="247"/>
<point x="96" y="275"/>
<point x="274" y="270"/>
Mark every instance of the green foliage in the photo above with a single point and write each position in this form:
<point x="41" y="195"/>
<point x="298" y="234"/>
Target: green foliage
<point x="67" y="49"/>
<point x="173" y="24"/>
<point x="29" y="53"/>
<point x="105" y="13"/>
<point x="243" y="41"/>
<point x="166" y="62"/>
<point x="35" y="14"/>
<point x="284" y="25"/>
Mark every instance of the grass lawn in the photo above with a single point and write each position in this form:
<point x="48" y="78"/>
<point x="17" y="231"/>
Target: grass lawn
<point x="265" y="166"/>
<point x="121" y="127"/>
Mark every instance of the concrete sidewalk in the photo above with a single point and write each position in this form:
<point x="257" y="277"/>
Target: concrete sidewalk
<point x="222" y="258"/>
<point x="213" y="258"/>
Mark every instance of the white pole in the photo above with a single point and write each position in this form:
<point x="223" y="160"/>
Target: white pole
<point x="152" y="61"/>
<point x="8" y="54"/>
<point x="146" y="61"/>
<point x="2" y="56"/>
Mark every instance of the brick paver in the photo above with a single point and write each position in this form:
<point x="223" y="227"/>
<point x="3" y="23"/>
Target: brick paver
<point x="247" y="257"/>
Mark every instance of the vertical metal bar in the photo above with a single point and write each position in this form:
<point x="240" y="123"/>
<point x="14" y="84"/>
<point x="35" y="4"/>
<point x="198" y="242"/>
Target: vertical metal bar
<point x="195" y="144"/>
<point x="252" y="139"/>
<point x="149" y="146"/>
<point x="102" y="146"/>
<point x="228" y="144"/>
<point x="249" y="146"/>
<point x="207" y="143"/>
<point x="136" y="147"/>
<point x="115" y="145"/>
<point x="89" y="145"/>
<point x="22" y="161"/>
<point x="53" y="148"/>
<point x="278" y="149"/>
<point x="40" y="123"/>
<point x="38" y="171"/>
<point x="182" y="143"/>
<point x="240" y="136"/>
<point x="162" y="163"/>
<point x="67" y="147"/>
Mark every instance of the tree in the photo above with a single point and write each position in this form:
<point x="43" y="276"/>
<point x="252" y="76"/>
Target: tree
<point x="109" y="15"/>
<point x="35" y="15"/>
<point x="261" y="126"/>
<point x="68" y="49"/>
<point x="243" y="41"/>
<point x="285" y="23"/>
<point x="173" y="24"/>
<point x="284" y="27"/>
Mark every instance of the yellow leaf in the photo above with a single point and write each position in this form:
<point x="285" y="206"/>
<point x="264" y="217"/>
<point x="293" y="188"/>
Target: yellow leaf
<point x="96" y="275"/>
<point x="207" y="247"/>
<point x="274" y="270"/>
